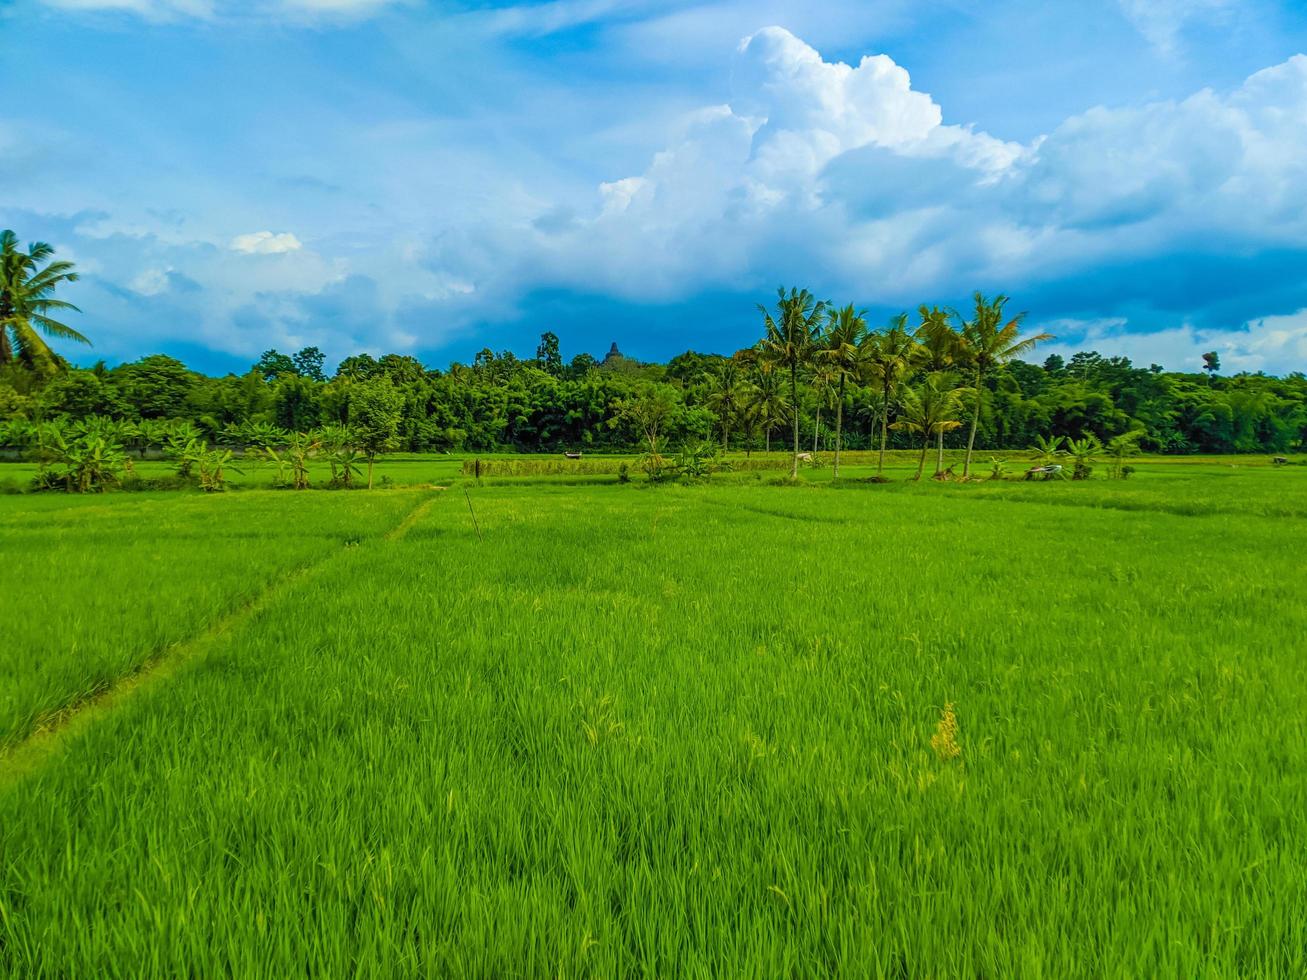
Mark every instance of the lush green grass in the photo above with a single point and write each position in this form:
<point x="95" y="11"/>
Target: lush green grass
<point x="95" y="586"/>
<point x="405" y="469"/>
<point x="687" y="731"/>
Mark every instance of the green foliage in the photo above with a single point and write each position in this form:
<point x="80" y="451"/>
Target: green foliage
<point x="273" y="364"/>
<point x="182" y="445"/>
<point x="656" y="466"/>
<point x="697" y="459"/>
<point x="28" y="280"/>
<point x="789" y="344"/>
<point x="1048" y="449"/>
<point x="301" y="447"/>
<point x="1120" y="448"/>
<point x="817" y="372"/>
<point x="1084" y="452"/>
<point x="211" y="465"/>
<point x="547" y="354"/>
<point x="986" y="343"/>
<point x="647" y="411"/>
<point x="308" y="364"/>
<point x="375" y="411"/>
<point x="85" y="460"/>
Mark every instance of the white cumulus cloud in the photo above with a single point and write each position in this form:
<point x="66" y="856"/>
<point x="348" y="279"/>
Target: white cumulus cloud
<point x="847" y="179"/>
<point x="265" y="243"/>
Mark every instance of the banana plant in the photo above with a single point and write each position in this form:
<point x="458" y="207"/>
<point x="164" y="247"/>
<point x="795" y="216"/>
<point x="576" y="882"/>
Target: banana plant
<point x="150" y="434"/>
<point x="350" y="463"/>
<point x="212" y="463"/>
<point x="94" y="462"/>
<point x="281" y="462"/>
<point x="300" y="448"/>
<point x="1048" y="449"/>
<point x="336" y="445"/>
<point x="1084" y="451"/>
<point x="182" y="445"/>
<point x="1120" y="448"/>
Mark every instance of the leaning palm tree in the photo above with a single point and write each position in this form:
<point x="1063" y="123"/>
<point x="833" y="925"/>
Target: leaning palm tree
<point x="843" y="348"/>
<point x="939" y="353"/>
<point x="891" y="355"/>
<point x="930" y="409"/>
<point x="789" y="343"/>
<point x="725" y="396"/>
<point x="987" y="343"/>
<point x="26" y="302"/>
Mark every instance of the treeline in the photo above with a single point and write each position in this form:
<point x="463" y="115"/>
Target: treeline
<point x="745" y="401"/>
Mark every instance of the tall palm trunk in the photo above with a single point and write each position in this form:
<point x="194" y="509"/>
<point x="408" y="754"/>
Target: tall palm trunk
<point x="884" y="432"/>
<point x="939" y="453"/>
<point x="975" y="421"/>
<point x="816" y="432"/>
<point x="766" y="440"/>
<point x="794" y="403"/>
<point x="839" y="427"/>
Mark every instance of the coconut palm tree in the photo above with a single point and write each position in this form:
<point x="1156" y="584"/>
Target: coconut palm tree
<point x="930" y="409"/>
<point x="725" y="396"/>
<point x="26" y="285"/>
<point x="768" y="396"/>
<point x="789" y="343"/>
<point x="892" y="354"/>
<point x="986" y="343"/>
<point x="749" y="416"/>
<point x="939" y="353"/>
<point x="843" y="349"/>
<point x="824" y="383"/>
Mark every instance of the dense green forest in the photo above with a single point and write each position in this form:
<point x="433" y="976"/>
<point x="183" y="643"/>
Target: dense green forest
<point x="819" y="378"/>
<point x="541" y="403"/>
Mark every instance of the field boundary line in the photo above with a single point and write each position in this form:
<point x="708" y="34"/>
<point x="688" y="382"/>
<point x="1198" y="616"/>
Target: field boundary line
<point x="416" y="514"/>
<point x="55" y="729"/>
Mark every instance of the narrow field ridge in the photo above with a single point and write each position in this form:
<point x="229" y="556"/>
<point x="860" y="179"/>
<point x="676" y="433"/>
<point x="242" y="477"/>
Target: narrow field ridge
<point x="52" y="732"/>
<point x="415" y="515"/>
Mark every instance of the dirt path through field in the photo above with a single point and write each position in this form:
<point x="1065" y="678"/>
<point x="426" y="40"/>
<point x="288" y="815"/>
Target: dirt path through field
<point x="56" y="729"/>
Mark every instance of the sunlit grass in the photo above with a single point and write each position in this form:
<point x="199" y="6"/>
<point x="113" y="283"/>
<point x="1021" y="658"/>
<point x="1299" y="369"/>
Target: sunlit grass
<point x="735" y="730"/>
<point x="95" y="586"/>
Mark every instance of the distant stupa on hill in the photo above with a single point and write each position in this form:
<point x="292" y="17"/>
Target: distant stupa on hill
<point x="614" y="355"/>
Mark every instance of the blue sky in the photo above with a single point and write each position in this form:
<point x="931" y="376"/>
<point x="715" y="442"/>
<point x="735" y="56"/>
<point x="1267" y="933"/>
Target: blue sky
<point x="434" y="178"/>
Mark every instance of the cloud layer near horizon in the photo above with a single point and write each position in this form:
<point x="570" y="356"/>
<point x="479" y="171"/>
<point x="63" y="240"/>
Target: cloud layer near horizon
<point x="1160" y="229"/>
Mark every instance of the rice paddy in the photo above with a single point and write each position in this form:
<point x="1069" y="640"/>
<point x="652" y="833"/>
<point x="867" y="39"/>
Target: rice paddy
<point x="733" y="729"/>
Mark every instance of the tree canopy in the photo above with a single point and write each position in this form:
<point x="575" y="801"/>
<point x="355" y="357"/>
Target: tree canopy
<point x="961" y="382"/>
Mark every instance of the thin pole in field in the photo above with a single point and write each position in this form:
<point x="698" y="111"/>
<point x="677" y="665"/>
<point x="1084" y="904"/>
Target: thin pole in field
<point x="468" y="498"/>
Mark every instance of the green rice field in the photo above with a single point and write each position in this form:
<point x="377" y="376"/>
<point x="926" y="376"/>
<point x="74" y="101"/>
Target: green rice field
<point x="553" y="726"/>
